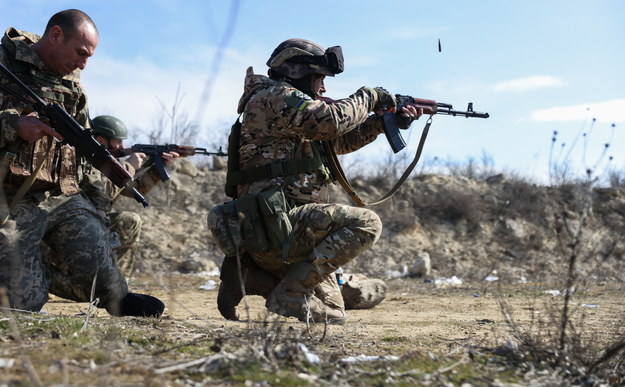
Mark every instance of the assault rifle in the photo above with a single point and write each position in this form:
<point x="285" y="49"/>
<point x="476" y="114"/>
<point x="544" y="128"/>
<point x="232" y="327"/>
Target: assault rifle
<point x="75" y="135"/>
<point x="156" y="151"/>
<point x="430" y="107"/>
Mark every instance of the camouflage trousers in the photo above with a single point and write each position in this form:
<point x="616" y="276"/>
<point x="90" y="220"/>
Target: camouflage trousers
<point x="127" y="225"/>
<point x="80" y="251"/>
<point x="326" y="235"/>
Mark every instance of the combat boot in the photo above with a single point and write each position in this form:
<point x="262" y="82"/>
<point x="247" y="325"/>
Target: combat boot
<point x="293" y="297"/>
<point x="329" y="292"/>
<point x="258" y="282"/>
<point x="137" y="305"/>
<point x="360" y="292"/>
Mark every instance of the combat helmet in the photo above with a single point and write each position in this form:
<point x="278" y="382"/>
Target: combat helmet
<point x="109" y="127"/>
<point x="296" y="58"/>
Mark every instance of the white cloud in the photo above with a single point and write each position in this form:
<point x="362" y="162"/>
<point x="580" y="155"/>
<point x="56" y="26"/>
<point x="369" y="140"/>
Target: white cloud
<point x="133" y="89"/>
<point x="529" y="83"/>
<point x="609" y="111"/>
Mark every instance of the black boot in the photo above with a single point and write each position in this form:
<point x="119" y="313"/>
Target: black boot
<point x="258" y="282"/>
<point x="138" y="305"/>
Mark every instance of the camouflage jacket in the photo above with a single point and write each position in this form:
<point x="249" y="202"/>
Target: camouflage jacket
<point x="61" y="172"/>
<point x="280" y="122"/>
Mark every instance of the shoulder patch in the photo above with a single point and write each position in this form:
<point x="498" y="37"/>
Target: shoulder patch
<point x="298" y="100"/>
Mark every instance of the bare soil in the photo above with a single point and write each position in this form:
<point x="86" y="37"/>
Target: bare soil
<point x="472" y="229"/>
<point x="415" y="315"/>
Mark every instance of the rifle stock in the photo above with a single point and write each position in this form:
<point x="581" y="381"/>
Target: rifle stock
<point x="81" y="139"/>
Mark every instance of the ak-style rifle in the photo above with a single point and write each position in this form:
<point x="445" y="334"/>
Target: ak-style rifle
<point x="77" y="136"/>
<point x="156" y="152"/>
<point x="430" y="107"/>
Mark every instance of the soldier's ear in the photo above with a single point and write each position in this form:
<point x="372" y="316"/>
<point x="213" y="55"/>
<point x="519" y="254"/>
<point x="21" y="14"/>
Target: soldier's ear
<point x="56" y="35"/>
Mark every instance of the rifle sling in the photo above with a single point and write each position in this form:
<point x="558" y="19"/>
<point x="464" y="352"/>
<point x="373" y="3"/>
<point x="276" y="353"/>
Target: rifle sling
<point x="294" y="166"/>
<point x="337" y="171"/>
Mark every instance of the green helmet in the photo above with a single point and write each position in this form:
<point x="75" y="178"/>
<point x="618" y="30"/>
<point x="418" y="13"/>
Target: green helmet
<point x="109" y="127"/>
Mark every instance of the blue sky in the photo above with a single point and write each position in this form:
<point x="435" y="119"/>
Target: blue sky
<point x="535" y="66"/>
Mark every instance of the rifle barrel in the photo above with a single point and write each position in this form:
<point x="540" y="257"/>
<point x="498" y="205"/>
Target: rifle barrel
<point x="467" y="114"/>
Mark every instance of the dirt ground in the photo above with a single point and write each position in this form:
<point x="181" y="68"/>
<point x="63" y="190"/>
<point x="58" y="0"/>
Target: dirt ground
<point x="511" y="233"/>
<point x="414" y="316"/>
<point x="516" y="239"/>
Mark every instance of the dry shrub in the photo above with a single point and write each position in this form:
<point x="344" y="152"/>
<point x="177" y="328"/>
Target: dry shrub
<point x="452" y="205"/>
<point x="582" y="358"/>
<point x="519" y="198"/>
<point x="419" y="202"/>
<point x="559" y="342"/>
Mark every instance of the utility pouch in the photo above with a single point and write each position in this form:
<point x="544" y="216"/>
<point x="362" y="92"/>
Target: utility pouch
<point x="225" y="225"/>
<point x="275" y="209"/>
<point x="253" y="222"/>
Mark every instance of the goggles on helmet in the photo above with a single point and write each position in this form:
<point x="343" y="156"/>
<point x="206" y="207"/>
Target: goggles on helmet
<point x="332" y="59"/>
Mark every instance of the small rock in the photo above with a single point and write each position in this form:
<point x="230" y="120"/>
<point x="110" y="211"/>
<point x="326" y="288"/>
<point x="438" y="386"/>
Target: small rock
<point x="219" y="163"/>
<point x="186" y="168"/>
<point x="190" y="266"/>
<point x="422" y="266"/>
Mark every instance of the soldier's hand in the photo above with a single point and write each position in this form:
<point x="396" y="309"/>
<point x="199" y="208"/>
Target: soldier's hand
<point x="170" y="157"/>
<point x="31" y="128"/>
<point x="408" y="114"/>
<point x="386" y="102"/>
<point x="136" y="159"/>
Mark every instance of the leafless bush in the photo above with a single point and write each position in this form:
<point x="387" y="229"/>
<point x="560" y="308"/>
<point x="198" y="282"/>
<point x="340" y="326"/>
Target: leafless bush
<point x="616" y="178"/>
<point x="561" y="343"/>
<point x="446" y="204"/>
<point x="172" y="124"/>
<point x="472" y="169"/>
<point x="520" y="198"/>
<point x="580" y="357"/>
<point x="452" y="205"/>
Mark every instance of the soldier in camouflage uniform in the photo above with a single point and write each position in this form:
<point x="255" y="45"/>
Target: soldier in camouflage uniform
<point x="111" y="132"/>
<point x="62" y="207"/>
<point x="284" y="124"/>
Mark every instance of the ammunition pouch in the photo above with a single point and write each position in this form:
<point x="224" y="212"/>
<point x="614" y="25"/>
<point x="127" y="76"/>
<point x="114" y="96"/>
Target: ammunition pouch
<point x="58" y="165"/>
<point x="254" y="222"/>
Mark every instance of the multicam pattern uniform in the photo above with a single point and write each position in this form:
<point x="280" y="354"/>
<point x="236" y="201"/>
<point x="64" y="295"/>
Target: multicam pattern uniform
<point x="280" y="122"/>
<point x="55" y="211"/>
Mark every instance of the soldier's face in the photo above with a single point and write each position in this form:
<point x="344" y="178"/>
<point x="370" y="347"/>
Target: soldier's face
<point x="72" y="52"/>
<point x="116" y="143"/>
<point x="111" y="143"/>
<point x="317" y="84"/>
